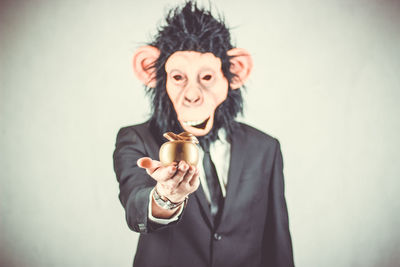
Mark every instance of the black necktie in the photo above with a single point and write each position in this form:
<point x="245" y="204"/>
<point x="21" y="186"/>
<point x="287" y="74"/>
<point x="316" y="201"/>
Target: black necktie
<point x="216" y="198"/>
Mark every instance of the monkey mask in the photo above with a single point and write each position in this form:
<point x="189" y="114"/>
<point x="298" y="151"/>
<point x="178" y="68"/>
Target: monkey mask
<point x="192" y="75"/>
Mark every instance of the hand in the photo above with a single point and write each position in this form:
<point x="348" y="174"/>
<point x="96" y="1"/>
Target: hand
<point x="175" y="181"/>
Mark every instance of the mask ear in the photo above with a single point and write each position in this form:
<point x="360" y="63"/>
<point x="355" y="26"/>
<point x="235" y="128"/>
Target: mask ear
<point x="241" y="66"/>
<point x="143" y="64"/>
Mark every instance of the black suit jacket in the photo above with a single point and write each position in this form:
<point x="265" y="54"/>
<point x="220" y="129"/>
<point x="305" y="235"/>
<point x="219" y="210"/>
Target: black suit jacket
<point x="254" y="227"/>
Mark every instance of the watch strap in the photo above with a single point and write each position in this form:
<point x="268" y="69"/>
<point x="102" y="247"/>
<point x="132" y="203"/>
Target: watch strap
<point x="166" y="204"/>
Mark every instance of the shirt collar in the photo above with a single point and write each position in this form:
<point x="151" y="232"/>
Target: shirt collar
<point x="222" y="136"/>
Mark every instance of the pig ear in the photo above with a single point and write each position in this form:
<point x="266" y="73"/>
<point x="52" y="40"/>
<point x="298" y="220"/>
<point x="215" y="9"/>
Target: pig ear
<point x="241" y="66"/>
<point x="143" y="64"/>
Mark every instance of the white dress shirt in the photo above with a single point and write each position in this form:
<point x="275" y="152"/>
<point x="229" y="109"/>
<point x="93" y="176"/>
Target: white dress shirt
<point x="220" y="152"/>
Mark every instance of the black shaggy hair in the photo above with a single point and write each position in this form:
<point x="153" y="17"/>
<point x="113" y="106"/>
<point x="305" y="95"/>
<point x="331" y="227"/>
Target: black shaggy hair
<point x="190" y="28"/>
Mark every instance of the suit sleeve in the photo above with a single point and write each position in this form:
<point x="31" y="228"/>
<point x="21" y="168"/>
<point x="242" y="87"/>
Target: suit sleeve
<point x="277" y="244"/>
<point x="134" y="183"/>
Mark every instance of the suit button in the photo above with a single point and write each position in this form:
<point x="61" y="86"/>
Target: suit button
<point x="217" y="237"/>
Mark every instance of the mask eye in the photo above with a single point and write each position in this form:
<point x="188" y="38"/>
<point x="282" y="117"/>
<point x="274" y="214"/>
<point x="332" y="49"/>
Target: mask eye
<point x="177" y="77"/>
<point x="207" y="77"/>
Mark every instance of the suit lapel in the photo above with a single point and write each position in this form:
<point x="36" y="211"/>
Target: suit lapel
<point x="203" y="203"/>
<point x="150" y="142"/>
<point x="238" y="154"/>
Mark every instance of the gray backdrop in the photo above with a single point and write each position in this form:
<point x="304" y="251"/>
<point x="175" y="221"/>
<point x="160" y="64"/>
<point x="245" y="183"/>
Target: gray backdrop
<point x="325" y="82"/>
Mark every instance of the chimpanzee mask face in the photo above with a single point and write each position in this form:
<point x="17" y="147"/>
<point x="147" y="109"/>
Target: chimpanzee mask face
<point x="195" y="82"/>
<point x="196" y="86"/>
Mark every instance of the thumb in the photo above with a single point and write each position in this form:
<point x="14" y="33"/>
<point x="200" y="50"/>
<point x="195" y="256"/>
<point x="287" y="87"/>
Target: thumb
<point x="148" y="164"/>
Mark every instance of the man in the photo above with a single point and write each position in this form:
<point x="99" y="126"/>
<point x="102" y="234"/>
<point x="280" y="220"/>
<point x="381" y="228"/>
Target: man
<point x="229" y="210"/>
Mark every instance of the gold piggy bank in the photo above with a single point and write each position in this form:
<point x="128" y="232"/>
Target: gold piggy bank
<point x="179" y="147"/>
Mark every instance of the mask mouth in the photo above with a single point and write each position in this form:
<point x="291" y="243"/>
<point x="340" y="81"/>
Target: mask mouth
<point x="197" y="124"/>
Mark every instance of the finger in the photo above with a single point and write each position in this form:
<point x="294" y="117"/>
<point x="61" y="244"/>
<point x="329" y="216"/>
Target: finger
<point x="150" y="165"/>
<point x="182" y="168"/>
<point x="164" y="173"/>
<point x="195" y="181"/>
<point x="191" y="181"/>
<point x="189" y="174"/>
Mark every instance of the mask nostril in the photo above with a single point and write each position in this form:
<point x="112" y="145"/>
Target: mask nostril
<point x="192" y="99"/>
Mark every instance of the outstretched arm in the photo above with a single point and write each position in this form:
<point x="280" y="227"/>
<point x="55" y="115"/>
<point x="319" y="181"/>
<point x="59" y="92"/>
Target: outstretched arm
<point x="136" y="184"/>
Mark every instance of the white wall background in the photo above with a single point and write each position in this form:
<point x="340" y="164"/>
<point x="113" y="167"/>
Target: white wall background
<point x="326" y="83"/>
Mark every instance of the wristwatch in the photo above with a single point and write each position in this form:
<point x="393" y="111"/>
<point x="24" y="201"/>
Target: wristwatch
<point x="166" y="204"/>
